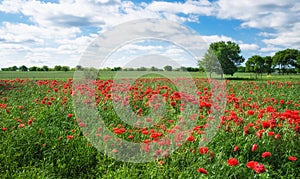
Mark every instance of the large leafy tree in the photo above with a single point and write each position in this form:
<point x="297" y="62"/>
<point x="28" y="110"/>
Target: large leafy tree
<point x="210" y="63"/>
<point x="228" y="55"/>
<point x="255" y="64"/>
<point x="268" y="64"/>
<point x="286" y="59"/>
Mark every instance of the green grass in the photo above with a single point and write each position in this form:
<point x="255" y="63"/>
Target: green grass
<point x="132" y="74"/>
<point x="36" y="75"/>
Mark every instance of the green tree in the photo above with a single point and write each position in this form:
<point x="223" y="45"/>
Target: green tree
<point x="57" y="68"/>
<point x="168" y="68"/>
<point x="33" y="68"/>
<point x="23" y="68"/>
<point x="227" y="54"/>
<point x="268" y="64"/>
<point x="153" y="68"/>
<point x="286" y="59"/>
<point x="141" y="69"/>
<point x="255" y="64"/>
<point x="45" y="68"/>
<point x="65" y="68"/>
<point x="79" y="67"/>
<point x="241" y="69"/>
<point x="116" y="69"/>
<point x="13" y="68"/>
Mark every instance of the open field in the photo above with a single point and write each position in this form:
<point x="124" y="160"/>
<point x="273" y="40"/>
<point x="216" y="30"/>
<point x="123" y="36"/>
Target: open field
<point x="60" y="75"/>
<point x="48" y="131"/>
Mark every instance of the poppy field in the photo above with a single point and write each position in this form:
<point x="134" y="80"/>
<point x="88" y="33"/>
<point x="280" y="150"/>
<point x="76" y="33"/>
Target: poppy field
<point x="44" y="135"/>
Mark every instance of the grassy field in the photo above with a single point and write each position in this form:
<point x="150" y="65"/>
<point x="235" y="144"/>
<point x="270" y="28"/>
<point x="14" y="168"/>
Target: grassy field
<point x="130" y="74"/>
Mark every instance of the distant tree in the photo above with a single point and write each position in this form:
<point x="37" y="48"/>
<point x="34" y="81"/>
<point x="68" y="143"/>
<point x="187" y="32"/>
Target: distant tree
<point x="153" y="68"/>
<point x="268" y="64"/>
<point x="79" y="67"/>
<point x="116" y="69"/>
<point x="141" y="69"/>
<point x="241" y="69"/>
<point x="45" y="68"/>
<point x="57" y="68"/>
<point x="39" y="69"/>
<point x="13" y="68"/>
<point x="23" y="68"/>
<point x="210" y="63"/>
<point x="228" y="55"/>
<point x="33" y="68"/>
<point x="182" y="68"/>
<point x="192" y="69"/>
<point x="65" y="68"/>
<point x="168" y="68"/>
<point x="255" y="64"/>
<point x="129" y="69"/>
<point x="4" y="69"/>
<point x="249" y="66"/>
<point x="286" y="59"/>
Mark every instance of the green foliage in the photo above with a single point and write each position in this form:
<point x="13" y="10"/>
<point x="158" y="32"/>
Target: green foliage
<point x="23" y="68"/>
<point x="57" y="68"/>
<point x="225" y="53"/>
<point x="168" y="68"/>
<point x="255" y="64"/>
<point x="286" y="59"/>
<point x="268" y="64"/>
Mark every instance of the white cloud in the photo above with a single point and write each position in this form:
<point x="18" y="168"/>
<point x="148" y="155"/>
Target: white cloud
<point x="290" y="38"/>
<point x="202" y="7"/>
<point x="216" y="38"/>
<point x="282" y="17"/>
<point x="248" y="47"/>
<point x="58" y="30"/>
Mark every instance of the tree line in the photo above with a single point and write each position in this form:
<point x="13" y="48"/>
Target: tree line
<point x="221" y="58"/>
<point x="35" y="68"/>
<point x="80" y="68"/>
<point x="224" y="58"/>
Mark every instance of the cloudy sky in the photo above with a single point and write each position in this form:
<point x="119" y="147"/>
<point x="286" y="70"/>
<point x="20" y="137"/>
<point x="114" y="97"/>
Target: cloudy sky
<point x="57" y="32"/>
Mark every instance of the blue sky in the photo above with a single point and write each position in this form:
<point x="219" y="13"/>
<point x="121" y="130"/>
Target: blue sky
<point x="51" y="32"/>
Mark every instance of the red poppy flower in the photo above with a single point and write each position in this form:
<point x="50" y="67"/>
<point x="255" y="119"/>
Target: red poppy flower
<point x="270" y="133"/>
<point x="173" y="103"/>
<point x="232" y="162"/>
<point x="265" y="124"/>
<point x="4" y="129"/>
<point x="236" y="148"/>
<point x="254" y="147"/>
<point x="277" y="136"/>
<point x="266" y="154"/>
<point x="246" y="130"/>
<point x="145" y="132"/>
<point x="191" y="138"/>
<point x="29" y="122"/>
<point x="259" y="168"/>
<point x="251" y="164"/>
<point x="202" y="170"/>
<point x="70" y="137"/>
<point x="203" y="150"/>
<point x="81" y="124"/>
<point x="292" y="158"/>
<point x="250" y="112"/>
